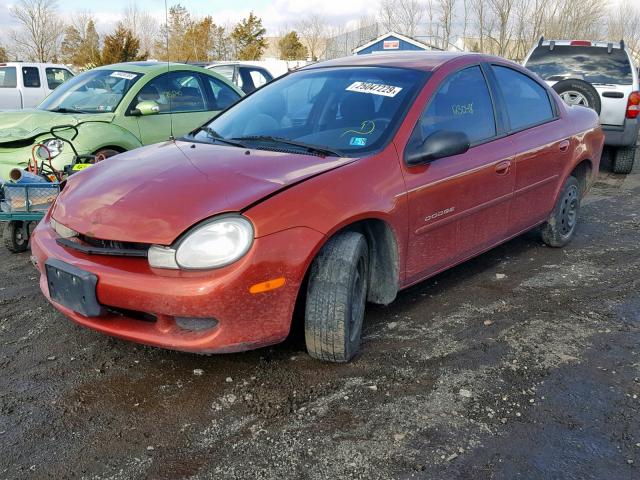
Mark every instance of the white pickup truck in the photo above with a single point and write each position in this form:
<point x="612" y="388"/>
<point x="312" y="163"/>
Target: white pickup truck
<point x="25" y="85"/>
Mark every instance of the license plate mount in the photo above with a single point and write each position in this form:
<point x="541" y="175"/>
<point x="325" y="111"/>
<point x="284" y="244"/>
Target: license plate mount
<point x="73" y="288"/>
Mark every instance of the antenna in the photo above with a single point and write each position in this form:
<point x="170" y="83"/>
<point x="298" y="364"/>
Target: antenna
<point x="166" y="20"/>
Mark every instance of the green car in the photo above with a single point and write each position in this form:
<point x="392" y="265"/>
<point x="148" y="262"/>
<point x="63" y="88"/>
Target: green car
<point x="115" y="108"/>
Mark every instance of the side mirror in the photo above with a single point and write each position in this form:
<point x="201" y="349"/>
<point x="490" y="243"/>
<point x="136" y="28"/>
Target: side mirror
<point x="145" y="108"/>
<point x="439" y="144"/>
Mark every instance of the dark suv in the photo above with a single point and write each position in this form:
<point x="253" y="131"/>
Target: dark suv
<point x="598" y="75"/>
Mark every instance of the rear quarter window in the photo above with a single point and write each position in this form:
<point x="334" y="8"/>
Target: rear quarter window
<point x="8" y="77"/>
<point x="591" y="64"/>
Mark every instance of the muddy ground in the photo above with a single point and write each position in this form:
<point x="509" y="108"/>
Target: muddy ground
<point x="522" y="363"/>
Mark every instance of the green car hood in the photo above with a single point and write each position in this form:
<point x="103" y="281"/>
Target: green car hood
<point x="25" y="124"/>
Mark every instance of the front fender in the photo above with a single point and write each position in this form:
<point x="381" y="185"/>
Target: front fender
<point x="92" y="136"/>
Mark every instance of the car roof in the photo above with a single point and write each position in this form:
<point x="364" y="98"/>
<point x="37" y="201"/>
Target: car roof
<point x="149" y="67"/>
<point x="427" y="61"/>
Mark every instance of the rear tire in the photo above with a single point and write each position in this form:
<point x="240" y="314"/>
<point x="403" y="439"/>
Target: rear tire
<point x="623" y="160"/>
<point x="560" y="229"/>
<point x="14" y="237"/>
<point x="336" y="298"/>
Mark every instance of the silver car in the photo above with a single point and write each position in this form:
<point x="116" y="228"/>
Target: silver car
<point x="598" y="75"/>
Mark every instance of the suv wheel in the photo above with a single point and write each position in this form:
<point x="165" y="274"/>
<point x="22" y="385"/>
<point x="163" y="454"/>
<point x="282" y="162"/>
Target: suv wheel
<point x="623" y="160"/>
<point x="561" y="226"/>
<point x="336" y="298"/>
<point x="579" y="92"/>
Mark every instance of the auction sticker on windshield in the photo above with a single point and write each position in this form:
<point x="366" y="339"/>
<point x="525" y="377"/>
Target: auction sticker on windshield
<point x="374" y="88"/>
<point x="125" y="75"/>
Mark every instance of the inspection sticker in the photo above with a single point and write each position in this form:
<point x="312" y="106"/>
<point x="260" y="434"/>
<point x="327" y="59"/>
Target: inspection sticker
<point x="358" y="141"/>
<point x="374" y="88"/>
<point x="125" y="75"/>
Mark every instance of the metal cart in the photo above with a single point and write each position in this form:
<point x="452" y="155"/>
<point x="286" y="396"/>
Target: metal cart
<point x="22" y="206"/>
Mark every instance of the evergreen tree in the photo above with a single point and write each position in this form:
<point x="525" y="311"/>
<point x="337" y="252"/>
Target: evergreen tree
<point x="121" y="46"/>
<point x="248" y="38"/>
<point x="291" y="48"/>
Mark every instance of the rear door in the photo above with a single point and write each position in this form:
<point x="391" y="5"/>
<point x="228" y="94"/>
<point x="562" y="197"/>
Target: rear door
<point x="539" y="145"/>
<point x="10" y="95"/>
<point x="55" y="77"/>
<point x="33" y="91"/>
<point x="458" y="205"/>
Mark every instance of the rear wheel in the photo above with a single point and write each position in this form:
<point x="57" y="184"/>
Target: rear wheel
<point x="14" y="237"/>
<point x="561" y="226"/>
<point x="336" y="298"/>
<point x="623" y="160"/>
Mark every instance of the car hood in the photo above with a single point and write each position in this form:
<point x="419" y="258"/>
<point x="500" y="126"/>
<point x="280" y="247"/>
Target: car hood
<point x="25" y="124"/>
<point x="155" y="193"/>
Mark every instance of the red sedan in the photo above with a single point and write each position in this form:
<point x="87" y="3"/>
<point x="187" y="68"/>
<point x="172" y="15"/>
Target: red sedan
<point x="334" y="186"/>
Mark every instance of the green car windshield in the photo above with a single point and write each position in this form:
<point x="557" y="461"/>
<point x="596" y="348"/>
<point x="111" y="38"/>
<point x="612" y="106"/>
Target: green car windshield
<point x="346" y="111"/>
<point x="94" y="91"/>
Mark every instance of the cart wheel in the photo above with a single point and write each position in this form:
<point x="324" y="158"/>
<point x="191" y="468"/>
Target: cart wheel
<point x="14" y="237"/>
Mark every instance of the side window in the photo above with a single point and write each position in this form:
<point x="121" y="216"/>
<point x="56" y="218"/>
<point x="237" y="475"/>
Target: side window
<point x="527" y="102"/>
<point x="222" y="94"/>
<point x="56" y="77"/>
<point x="462" y="104"/>
<point x="225" y="70"/>
<point x="174" y="92"/>
<point x="8" y="78"/>
<point x="258" y="78"/>
<point x="31" y="77"/>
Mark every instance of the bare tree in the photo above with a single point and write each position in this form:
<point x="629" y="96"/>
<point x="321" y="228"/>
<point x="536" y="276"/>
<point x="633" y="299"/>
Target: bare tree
<point x="40" y="32"/>
<point x="314" y="31"/>
<point x="624" y="24"/>
<point x="446" y="21"/>
<point x="501" y="11"/>
<point x="143" y="26"/>
<point x="403" y="16"/>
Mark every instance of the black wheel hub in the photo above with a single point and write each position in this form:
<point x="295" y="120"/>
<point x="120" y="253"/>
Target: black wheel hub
<point x="569" y="211"/>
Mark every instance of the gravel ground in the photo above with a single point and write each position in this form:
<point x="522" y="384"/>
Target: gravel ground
<point x="522" y="363"/>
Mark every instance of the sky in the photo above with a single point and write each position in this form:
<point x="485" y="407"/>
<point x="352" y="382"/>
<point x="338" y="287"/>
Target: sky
<point x="276" y="14"/>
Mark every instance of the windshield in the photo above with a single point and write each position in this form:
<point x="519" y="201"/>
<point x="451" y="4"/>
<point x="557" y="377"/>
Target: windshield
<point x="94" y="91"/>
<point x="591" y="64"/>
<point x="345" y="111"/>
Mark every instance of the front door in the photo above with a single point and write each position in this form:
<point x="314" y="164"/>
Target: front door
<point x="182" y="102"/>
<point x="458" y="205"/>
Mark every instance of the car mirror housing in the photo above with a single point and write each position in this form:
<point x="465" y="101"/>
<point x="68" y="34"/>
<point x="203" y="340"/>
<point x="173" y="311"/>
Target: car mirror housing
<point x="145" y="108"/>
<point x="439" y="144"/>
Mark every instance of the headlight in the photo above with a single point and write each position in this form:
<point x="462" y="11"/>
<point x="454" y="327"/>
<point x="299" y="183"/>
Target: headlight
<point x="54" y="148"/>
<point x="61" y="230"/>
<point x="212" y="244"/>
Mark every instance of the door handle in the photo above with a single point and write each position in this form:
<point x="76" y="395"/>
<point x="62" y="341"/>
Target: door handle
<point x="564" y="146"/>
<point x="503" y="168"/>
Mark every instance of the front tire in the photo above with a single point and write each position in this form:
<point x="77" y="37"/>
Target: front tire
<point x="623" y="160"/>
<point x="336" y="298"/>
<point x="560" y="229"/>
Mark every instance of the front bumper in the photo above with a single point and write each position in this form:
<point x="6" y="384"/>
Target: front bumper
<point x="242" y="320"/>
<point x="622" y="136"/>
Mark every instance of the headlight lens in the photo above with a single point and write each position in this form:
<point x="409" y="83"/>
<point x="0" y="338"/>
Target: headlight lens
<point x="213" y="244"/>
<point x="54" y="148"/>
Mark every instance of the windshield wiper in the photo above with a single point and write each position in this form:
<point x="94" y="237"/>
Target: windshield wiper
<point x="66" y="110"/>
<point x="211" y="133"/>
<point x="310" y="148"/>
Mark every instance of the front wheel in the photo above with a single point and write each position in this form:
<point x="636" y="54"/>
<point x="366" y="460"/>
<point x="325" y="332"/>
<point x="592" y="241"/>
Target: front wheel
<point x="560" y="228"/>
<point x="336" y="298"/>
<point x="15" y="239"/>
